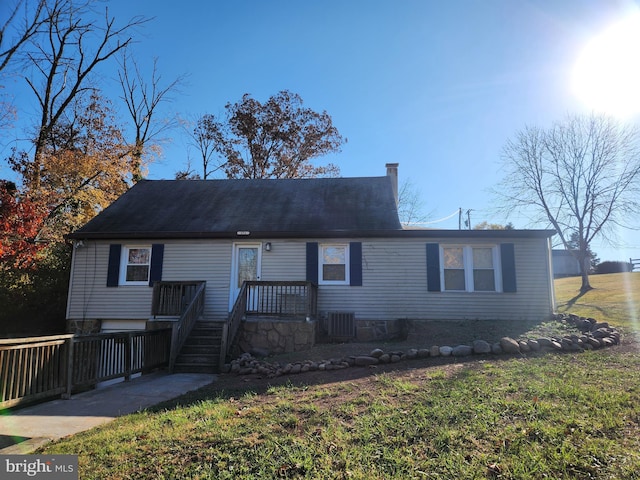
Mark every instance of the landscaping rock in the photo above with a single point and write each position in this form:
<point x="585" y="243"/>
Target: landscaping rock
<point x="412" y="353"/>
<point x="598" y="325"/>
<point x="480" y="347"/>
<point x="509" y="345"/>
<point x="377" y="353"/>
<point x="364" y="360"/>
<point x="593" y="335"/>
<point x="462" y="351"/>
<point x="445" y="351"/>
<point x="544" y="343"/>
<point x="533" y="345"/>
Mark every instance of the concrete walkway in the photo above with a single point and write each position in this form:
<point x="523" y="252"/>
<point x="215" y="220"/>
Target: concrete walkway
<point x="23" y="430"/>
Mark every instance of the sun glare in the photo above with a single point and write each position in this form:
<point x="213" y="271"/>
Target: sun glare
<point x="606" y="76"/>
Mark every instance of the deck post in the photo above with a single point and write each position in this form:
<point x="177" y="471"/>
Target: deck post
<point x="69" y="368"/>
<point x="128" y="346"/>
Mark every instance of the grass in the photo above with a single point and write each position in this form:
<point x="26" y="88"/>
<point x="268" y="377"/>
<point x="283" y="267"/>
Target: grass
<point x="550" y="416"/>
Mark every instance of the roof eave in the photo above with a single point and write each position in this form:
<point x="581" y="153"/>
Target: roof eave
<point x="398" y="233"/>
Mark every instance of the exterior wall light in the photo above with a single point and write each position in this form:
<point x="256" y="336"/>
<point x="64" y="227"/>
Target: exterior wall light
<point x="267" y="246"/>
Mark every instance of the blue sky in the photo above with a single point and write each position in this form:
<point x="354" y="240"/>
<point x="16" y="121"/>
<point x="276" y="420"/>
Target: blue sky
<point x="437" y="86"/>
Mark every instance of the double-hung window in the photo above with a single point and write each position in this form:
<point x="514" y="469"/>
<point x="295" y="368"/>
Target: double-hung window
<point x="470" y="268"/>
<point x="334" y="264"/>
<point x="135" y="264"/>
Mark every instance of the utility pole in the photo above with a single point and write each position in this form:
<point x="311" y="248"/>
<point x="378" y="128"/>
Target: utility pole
<point x="460" y="218"/>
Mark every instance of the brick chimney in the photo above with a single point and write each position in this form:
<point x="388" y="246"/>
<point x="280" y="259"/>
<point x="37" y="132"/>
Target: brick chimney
<point x="392" y="171"/>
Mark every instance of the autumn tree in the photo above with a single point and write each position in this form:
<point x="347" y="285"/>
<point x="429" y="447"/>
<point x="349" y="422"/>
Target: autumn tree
<point x="20" y="221"/>
<point x="63" y="59"/>
<point x="85" y="165"/>
<point x="275" y="139"/>
<point x="582" y="176"/>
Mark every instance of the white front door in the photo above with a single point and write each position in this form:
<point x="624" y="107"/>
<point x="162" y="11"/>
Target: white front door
<point x="244" y="266"/>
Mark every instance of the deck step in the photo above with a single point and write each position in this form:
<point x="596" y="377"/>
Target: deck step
<point x="201" y="350"/>
<point x="187" y="368"/>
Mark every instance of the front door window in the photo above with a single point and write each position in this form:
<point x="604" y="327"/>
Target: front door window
<point x="245" y="267"/>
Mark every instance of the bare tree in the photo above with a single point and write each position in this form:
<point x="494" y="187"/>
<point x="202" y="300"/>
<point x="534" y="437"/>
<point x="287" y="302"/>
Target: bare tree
<point x="72" y="45"/>
<point x="410" y="205"/>
<point x="142" y="99"/>
<point x="24" y="26"/>
<point x="16" y="32"/>
<point x="582" y="176"/>
<point x="202" y="136"/>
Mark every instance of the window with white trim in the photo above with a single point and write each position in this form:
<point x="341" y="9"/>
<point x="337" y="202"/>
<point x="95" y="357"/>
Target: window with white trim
<point x="470" y="268"/>
<point x="333" y="264"/>
<point x="135" y="265"/>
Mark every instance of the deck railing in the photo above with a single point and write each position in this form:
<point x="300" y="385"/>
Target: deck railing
<point x="182" y="328"/>
<point x="281" y="298"/>
<point x="172" y="298"/>
<point x="41" y="367"/>
<point x="34" y="368"/>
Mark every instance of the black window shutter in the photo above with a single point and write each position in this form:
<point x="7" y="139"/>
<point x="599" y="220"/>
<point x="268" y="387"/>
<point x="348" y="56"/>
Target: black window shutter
<point x="355" y="264"/>
<point x="157" y="257"/>
<point x="508" y="260"/>
<point x="433" y="267"/>
<point x="312" y="262"/>
<point x="113" y="270"/>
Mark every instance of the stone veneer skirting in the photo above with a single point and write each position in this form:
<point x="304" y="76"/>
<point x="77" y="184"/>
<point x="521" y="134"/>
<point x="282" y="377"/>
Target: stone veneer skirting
<point x="277" y="336"/>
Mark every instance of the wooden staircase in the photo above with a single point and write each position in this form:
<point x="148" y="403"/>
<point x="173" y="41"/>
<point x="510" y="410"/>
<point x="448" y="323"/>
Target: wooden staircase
<point x="201" y="350"/>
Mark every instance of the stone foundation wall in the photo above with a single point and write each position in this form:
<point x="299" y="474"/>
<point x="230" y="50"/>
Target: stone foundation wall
<point x="274" y="337"/>
<point x="381" y="330"/>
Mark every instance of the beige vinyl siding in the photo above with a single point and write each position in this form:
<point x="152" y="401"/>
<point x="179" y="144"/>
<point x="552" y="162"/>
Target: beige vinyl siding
<point x="286" y="261"/>
<point x="89" y="296"/>
<point x="210" y="261"/>
<point x="393" y="273"/>
<point x="395" y="286"/>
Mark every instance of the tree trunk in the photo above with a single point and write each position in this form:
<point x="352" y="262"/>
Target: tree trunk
<point x="585" y="265"/>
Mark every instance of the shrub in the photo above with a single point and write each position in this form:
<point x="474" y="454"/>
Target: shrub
<point x="613" y="267"/>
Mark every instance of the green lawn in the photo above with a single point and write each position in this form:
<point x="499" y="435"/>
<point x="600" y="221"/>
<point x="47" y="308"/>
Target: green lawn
<point x="551" y="416"/>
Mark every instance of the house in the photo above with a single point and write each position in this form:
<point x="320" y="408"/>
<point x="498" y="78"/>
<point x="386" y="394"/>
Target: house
<point x="565" y="263"/>
<point x="281" y="264"/>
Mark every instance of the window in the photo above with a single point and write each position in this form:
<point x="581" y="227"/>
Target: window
<point x="333" y="264"/>
<point x="470" y="268"/>
<point x="135" y="265"/>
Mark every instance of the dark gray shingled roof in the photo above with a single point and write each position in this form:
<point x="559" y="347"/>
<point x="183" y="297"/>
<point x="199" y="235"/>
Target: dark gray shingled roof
<point x="222" y="208"/>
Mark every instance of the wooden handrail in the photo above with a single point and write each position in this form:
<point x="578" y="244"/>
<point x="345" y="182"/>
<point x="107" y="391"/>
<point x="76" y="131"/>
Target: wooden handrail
<point x="182" y="328"/>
